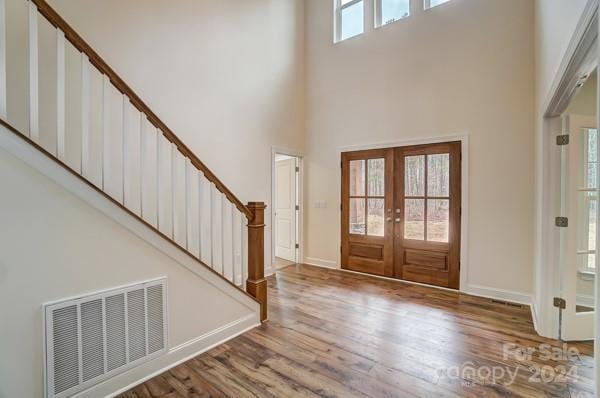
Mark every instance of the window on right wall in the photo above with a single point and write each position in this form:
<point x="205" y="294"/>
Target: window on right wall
<point x="433" y="3"/>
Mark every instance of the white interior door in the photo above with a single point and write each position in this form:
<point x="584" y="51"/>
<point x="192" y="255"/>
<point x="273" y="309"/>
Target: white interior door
<point x="579" y="203"/>
<point x="285" y="209"/>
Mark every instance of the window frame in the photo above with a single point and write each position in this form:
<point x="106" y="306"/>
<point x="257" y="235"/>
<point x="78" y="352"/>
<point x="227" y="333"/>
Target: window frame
<point x="589" y="195"/>
<point x="337" y="26"/>
<point x="378" y="14"/>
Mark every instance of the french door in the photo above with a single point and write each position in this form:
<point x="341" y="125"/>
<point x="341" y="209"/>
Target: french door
<point x="401" y="213"/>
<point x="367" y="200"/>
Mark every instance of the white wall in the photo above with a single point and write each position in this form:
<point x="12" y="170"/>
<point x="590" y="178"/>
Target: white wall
<point x="555" y="22"/>
<point x="56" y="246"/>
<point x="465" y="67"/>
<point x="226" y="76"/>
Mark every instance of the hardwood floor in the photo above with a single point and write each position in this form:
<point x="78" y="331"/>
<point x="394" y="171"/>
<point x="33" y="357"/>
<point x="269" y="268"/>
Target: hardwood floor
<point x="337" y="334"/>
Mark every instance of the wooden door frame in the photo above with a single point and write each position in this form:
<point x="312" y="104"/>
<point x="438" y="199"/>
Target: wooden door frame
<point x="464" y="218"/>
<point x="277" y="150"/>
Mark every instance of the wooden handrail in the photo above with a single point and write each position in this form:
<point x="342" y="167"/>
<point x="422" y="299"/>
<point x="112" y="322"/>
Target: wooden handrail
<point x="77" y="41"/>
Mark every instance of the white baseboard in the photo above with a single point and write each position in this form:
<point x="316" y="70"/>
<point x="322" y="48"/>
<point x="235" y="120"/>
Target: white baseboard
<point x="499" y="294"/>
<point x="534" y="316"/>
<point x="319" y="262"/>
<point x="269" y="270"/>
<point x="175" y="356"/>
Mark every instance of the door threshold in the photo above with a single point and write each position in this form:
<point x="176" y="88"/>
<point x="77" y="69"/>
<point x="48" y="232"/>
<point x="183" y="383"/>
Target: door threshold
<point x="387" y="278"/>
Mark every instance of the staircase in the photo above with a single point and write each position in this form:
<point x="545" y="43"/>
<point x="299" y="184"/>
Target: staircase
<point x="125" y="152"/>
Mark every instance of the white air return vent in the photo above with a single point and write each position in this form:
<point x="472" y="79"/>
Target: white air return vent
<point x="90" y="339"/>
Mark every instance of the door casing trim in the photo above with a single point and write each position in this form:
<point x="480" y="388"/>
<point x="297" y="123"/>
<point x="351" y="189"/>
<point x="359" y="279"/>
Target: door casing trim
<point x="464" y="219"/>
<point x="580" y="57"/>
<point x="277" y="150"/>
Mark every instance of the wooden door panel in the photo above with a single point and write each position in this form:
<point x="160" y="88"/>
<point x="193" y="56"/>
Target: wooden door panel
<point x="426" y="259"/>
<point x="367" y="200"/>
<point x="373" y="252"/>
<point x="428" y="176"/>
<point x="368" y="266"/>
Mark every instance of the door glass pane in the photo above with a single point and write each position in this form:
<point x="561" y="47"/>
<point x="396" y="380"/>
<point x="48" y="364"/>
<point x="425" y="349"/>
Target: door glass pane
<point x="414" y="176"/>
<point x="414" y="219"/>
<point x="592" y="157"/>
<point x="376" y="177"/>
<point x="357" y="178"/>
<point x="592" y="208"/>
<point x="438" y="175"/>
<point x="357" y="216"/>
<point x="375" y="216"/>
<point x="438" y="214"/>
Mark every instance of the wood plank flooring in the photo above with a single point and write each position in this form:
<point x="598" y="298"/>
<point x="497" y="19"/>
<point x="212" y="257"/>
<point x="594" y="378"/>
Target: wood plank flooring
<point x="337" y="334"/>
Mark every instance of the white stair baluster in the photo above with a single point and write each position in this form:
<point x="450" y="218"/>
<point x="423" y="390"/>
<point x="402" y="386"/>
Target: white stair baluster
<point x="143" y="150"/>
<point x="85" y="116"/>
<point x="106" y="169"/>
<point x="60" y="95"/>
<point x="173" y="196"/>
<point x="244" y="254"/>
<point x="158" y="135"/>
<point x="200" y="213"/>
<point x="125" y="146"/>
<point x="188" y="203"/>
<point x="233" y="262"/>
<point x="223" y="207"/>
<point x="3" y="104"/>
<point x="34" y="89"/>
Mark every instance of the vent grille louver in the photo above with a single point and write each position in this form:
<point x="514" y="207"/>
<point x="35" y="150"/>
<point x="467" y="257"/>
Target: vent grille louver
<point x="116" y="350"/>
<point x="92" y="338"/>
<point x="65" y="336"/>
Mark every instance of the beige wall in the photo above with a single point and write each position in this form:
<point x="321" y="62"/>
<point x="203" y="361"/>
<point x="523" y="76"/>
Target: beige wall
<point x="586" y="102"/>
<point x="555" y="22"/>
<point x="55" y="246"/>
<point x="462" y="68"/>
<point x="226" y="76"/>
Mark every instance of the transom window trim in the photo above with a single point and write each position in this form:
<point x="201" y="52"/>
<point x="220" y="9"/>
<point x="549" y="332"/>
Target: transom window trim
<point x="339" y="7"/>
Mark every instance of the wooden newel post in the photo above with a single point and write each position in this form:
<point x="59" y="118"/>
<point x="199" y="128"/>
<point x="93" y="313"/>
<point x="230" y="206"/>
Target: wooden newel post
<point x="256" y="285"/>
